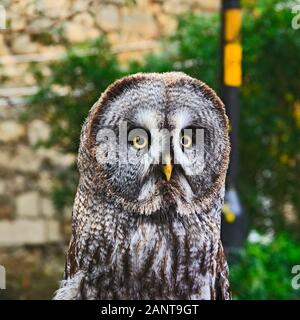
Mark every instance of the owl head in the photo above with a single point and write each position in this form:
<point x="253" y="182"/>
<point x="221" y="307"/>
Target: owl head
<point x="155" y="141"/>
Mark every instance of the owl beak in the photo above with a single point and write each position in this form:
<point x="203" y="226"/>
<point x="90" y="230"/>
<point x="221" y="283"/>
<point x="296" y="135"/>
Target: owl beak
<point x="167" y="168"/>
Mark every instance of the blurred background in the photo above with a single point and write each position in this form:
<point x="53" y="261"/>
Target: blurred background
<point x="56" y="57"/>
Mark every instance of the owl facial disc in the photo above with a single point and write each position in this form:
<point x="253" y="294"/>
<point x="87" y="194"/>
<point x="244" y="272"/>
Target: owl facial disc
<point x="166" y="140"/>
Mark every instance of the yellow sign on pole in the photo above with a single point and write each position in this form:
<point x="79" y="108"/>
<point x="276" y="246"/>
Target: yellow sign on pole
<point x="232" y="48"/>
<point x="232" y="64"/>
<point x="233" y="23"/>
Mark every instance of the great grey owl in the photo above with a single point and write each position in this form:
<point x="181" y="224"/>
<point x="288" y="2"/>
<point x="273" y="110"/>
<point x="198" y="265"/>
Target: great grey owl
<point x="147" y="226"/>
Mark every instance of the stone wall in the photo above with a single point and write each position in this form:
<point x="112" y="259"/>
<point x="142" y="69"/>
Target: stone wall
<point x="27" y="215"/>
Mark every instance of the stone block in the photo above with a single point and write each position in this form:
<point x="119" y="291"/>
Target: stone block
<point x="75" y="32"/>
<point x="138" y="24"/>
<point x="25" y="160"/>
<point x="53" y="231"/>
<point x="38" y="131"/>
<point x="47" y="208"/>
<point x="108" y="18"/>
<point x="23" y="44"/>
<point x="56" y="158"/>
<point x="10" y="131"/>
<point x="45" y="182"/>
<point x="20" y="232"/>
<point x="27" y="205"/>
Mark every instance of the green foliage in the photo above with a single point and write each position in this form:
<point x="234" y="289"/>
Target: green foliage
<point x="270" y="130"/>
<point x="263" y="271"/>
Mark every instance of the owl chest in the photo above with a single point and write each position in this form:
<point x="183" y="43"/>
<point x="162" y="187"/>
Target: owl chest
<point x="151" y="263"/>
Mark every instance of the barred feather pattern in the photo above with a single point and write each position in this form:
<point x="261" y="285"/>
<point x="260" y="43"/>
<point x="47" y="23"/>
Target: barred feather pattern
<point x="119" y="252"/>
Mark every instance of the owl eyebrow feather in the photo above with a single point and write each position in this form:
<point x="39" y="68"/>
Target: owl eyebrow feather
<point x="193" y="127"/>
<point x="131" y="127"/>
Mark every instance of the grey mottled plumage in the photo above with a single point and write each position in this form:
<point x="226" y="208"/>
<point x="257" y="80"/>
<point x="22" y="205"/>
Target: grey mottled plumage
<point x="135" y="234"/>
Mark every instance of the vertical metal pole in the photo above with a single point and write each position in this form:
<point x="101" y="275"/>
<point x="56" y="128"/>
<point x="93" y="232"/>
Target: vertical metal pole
<point x="233" y="218"/>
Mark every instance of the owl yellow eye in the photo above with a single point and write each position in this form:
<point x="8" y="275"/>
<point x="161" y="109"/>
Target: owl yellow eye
<point x="186" y="141"/>
<point x="139" y="142"/>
